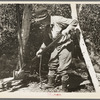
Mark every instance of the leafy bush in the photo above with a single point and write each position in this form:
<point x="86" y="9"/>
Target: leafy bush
<point x="89" y="19"/>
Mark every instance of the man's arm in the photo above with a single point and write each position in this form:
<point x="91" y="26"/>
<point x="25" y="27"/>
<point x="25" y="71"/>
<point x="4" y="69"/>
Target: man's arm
<point x="71" y="26"/>
<point x="69" y="23"/>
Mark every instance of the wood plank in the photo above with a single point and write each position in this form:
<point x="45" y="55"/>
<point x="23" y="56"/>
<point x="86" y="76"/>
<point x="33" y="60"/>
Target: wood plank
<point x="85" y="52"/>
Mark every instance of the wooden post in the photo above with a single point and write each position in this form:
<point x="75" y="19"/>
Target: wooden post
<point x="85" y="52"/>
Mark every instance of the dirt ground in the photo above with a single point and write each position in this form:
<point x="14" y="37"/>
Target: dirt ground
<point x="76" y="84"/>
<point x="79" y="81"/>
<point x="36" y="87"/>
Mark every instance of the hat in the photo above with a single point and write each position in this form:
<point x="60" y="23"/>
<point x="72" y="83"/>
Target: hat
<point x="40" y="14"/>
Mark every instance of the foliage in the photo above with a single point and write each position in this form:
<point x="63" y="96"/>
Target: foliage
<point x="89" y="19"/>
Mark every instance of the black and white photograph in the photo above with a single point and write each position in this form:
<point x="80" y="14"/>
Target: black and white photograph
<point x="49" y="48"/>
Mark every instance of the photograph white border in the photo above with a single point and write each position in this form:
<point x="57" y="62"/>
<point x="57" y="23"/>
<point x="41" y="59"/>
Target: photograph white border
<point x="50" y="95"/>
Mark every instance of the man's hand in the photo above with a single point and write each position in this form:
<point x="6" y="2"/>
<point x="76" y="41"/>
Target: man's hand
<point x="39" y="53"/>
<point x="68" y="29"/>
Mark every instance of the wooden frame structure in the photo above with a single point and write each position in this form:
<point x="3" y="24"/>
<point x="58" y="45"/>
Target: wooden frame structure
<point x="84" y="50"/>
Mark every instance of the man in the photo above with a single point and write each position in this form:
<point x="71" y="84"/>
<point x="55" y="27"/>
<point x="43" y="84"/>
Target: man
<point x="61" y="57"/>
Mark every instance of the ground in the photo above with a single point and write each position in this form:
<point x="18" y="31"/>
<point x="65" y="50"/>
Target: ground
<point x="35" y="87"/>
<point x="79" y="81"/>
<point x="20" y="86"/>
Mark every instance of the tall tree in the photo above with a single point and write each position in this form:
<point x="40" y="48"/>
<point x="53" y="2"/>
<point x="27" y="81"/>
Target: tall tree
<point x="23" y="33"/>
<point x="20" y="56"/>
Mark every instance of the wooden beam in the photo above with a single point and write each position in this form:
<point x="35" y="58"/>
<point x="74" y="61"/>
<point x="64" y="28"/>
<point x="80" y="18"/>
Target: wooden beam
<point x="85" y="52"/>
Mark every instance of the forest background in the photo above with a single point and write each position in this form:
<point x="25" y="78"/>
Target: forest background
<point x="89" y="20"/>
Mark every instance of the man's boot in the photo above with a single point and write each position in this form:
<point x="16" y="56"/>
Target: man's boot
<point x="65" y="83"/>
<point x="51" y="82"/>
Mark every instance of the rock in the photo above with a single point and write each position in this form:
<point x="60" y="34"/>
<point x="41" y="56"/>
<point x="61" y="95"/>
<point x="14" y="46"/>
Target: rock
<point x="96" y="68"/>
<point x="98" y="76"/>
<point x="85" y="82"/>
<point x="75" y="80"/>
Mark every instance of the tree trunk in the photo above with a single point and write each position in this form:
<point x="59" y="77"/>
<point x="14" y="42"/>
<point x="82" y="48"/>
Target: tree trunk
<point x="23" y="33"/>
<point x="26" y="22"/>
<point x="20" y="55"/>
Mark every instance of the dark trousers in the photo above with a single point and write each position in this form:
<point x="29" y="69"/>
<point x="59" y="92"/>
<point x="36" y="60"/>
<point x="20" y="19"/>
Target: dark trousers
<point x="60" y="60"/>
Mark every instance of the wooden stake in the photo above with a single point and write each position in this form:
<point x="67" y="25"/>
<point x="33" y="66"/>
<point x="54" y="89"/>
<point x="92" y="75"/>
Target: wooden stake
<point x="85" y="52"/>
<point x="40" y="65"/>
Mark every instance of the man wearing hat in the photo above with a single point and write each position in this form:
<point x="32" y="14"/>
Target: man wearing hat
<point x="61" y="57"/>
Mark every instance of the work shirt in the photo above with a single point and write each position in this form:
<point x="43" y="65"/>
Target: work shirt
<point x="59" y="23"/>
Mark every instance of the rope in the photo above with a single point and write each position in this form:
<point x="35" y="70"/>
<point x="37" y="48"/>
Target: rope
<point x="40" y="65"/>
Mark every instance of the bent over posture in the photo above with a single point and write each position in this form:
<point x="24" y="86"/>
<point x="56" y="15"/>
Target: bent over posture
<point x="61" y="57"/>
